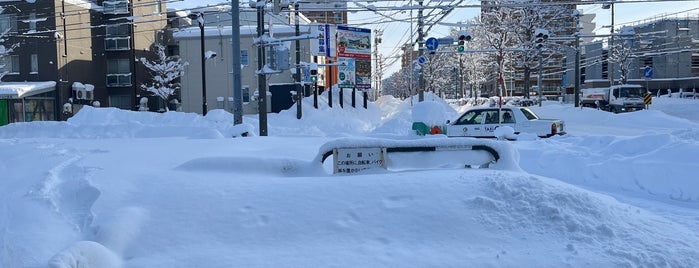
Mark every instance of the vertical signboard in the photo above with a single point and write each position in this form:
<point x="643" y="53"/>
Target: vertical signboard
<point x="354" y="50"/>
<point x="324" y="45"/>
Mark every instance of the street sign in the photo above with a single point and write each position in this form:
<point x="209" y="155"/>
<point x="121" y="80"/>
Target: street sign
<point x="421" y="60"/>
<point x="445" y="41"/>
<point x="354" y="160"/>
<point x="648" y="72"/>
<point x="431" y="44"/>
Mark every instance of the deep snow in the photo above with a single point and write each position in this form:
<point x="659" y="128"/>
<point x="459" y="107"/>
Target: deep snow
<point x="177" y="190"/>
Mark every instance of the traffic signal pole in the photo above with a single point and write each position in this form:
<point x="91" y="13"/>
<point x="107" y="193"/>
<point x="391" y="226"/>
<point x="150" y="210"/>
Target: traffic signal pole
<point x="420" y="43"/>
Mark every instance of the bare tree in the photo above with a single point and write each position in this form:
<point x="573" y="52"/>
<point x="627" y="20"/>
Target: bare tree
<point x="165" y="70"/>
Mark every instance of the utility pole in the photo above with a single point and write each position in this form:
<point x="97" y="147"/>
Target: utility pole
<point x="235" y="47"/>
<point x="377" y="40"/>
<point x="576" y="90"/>
<point x="421" y="79"/>
<point x="261" y="79"/>
<point x="610" y="64"/>
<point x="299" y="90"/>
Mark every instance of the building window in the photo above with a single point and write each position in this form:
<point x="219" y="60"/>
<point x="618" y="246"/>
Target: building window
<point x="244" y="57"/>
<point x="338" y="17"/>
<point x="118" y="30"/>
<point x="158" y="7"/>
<point x="32" y="22"/>
<point x="118" y="72"/>
<point x="14" y="64"/>
<point x="120" y="101"/>
<point x="8" y="23"/>
<point x="35" y="64"/>
<point x="118" y="37"/>
<point x="116" y="7"/>
<point x="117" y="43"/>
<point x="246" y="94"/>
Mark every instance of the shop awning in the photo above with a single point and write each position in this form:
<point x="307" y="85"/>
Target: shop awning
<point x="18" y="90"/>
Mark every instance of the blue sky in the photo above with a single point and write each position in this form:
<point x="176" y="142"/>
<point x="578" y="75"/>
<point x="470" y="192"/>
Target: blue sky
<point x="394" y="33"/>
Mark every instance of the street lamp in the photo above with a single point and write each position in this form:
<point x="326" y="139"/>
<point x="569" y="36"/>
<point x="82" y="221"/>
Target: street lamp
<point x="200" y="19"/>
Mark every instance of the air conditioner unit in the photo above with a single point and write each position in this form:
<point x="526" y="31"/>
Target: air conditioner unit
<point x="80" y="94"/>
<point x="89" y="92"/>
<point x="79" y="89"/>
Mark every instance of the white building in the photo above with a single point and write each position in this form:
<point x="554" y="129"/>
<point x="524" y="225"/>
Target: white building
<point x="219" y="79"/>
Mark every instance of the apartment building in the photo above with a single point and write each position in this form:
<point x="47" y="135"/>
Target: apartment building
<point x="88" y="48"/>
<point x="217" y="36"/>
<point x="669" y="46"/>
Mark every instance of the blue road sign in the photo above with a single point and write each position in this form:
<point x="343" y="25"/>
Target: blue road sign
<point x="648" y="72"/>
<point x="431" y="44"/>
<point x="421" y="60"/>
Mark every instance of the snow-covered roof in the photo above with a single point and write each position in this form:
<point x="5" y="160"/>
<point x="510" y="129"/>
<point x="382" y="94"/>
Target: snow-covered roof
<point x="18" y="90"/>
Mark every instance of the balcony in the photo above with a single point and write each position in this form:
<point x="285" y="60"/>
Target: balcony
<point x="116" y="7"/>
<point x="117" y="43"/>
<point x="119" y="80"/>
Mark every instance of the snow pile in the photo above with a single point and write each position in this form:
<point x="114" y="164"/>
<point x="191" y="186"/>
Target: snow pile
<point x="174" y="190"/>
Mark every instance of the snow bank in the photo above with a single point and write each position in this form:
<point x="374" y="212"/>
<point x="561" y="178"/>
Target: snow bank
<point x="97" y="123"/>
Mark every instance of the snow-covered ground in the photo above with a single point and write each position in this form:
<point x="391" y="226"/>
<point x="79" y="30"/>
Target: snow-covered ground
<point x="139" y="189"/>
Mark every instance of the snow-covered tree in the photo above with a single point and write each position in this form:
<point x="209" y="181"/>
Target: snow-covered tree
<point x="399" y="83"/>
<point x="4" y="51"/>
<point x="510" y="26"/>
<point x="622" y="52"/>
<point x="438" y="72"/>
<point x="165" y="70"/>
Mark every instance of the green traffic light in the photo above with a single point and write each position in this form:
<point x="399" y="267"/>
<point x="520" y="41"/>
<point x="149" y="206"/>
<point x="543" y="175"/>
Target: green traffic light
<point x="461" y="48"/>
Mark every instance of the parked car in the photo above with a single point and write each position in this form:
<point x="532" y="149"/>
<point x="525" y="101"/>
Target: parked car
<point x="482" y="122"/>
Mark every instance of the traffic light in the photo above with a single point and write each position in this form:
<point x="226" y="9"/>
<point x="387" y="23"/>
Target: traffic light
<point x="314" y="72"/>
<point x="540" y="36"/>
<point x="464" y="37"/>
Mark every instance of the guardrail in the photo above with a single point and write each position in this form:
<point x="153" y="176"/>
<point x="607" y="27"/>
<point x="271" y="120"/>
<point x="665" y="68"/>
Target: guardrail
<point x="355" y="155"/>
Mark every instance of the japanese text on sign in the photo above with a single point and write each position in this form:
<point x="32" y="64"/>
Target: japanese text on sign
<point x="353" y="160"/>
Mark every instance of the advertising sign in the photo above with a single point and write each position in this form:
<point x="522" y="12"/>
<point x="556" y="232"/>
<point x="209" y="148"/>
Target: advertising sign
<point x="346" y="73"/>
<point x="354" y="50"/>
<point x="353" y="42"/>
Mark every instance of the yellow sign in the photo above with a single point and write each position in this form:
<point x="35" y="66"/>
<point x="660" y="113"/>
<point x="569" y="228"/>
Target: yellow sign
<point x="647" y="99"/>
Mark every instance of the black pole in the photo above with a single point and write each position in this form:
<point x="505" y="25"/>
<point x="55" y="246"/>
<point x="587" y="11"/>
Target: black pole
<point x="354" y="91"/>
<point x="261" y="79"/>
<point x="235" y="64"/>
<point x="366" y="96"/>
<point x="342" y="103"/>
<point x="203" y="65"/>
<point x="315" y="95"/>
<point x="329" y="84"/>
<point x="297" y="76"/>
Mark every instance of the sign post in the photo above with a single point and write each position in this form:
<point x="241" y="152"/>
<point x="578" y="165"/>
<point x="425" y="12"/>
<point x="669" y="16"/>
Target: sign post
<point x="648" y="74"/>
